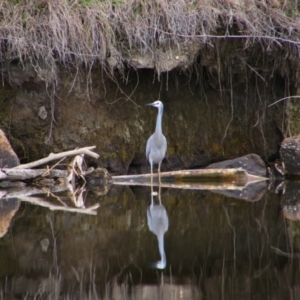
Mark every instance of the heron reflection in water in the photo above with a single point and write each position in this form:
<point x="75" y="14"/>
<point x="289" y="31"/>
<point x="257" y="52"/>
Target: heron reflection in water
<point x="158" y="223"/>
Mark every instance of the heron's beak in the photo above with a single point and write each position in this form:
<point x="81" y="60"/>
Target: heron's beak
<point x="149" y="104"/>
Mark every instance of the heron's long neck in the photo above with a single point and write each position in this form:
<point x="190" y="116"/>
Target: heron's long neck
<point x="161" y="248"/>
<point x="159" y="120"/>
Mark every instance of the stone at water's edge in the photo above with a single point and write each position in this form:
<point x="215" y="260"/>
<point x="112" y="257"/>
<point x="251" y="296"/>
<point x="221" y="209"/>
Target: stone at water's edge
<point x="252" y="163"/>
<point x="8" y="157"/>
<point x="290" y="155"/>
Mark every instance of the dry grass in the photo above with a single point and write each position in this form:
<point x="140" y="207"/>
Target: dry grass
<point x="84" y="33"/>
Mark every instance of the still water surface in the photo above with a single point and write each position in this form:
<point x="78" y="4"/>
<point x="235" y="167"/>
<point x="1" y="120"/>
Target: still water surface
<point x="193" y="244"/>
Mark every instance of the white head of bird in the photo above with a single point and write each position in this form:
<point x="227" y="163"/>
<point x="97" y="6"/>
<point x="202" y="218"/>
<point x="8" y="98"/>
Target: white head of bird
<point x="156" y="103"/>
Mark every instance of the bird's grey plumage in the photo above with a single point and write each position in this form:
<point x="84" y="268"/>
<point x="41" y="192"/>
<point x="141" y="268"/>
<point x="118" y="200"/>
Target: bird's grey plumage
<point x="157" y="143"/>
<point x="158" y="223"/>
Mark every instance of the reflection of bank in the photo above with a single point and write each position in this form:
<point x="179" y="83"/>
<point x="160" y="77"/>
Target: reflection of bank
<point x="158" y="223"/>
<point x="8" y="209"/>
<point x="290" y="203"/>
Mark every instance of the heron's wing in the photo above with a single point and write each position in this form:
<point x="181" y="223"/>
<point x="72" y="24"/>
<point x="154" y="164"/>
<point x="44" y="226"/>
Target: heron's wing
<point x="149" y="219"/>
<point x="165" y="145"/>
<point x="166" y="221"/>
<point x="148" y="147"/>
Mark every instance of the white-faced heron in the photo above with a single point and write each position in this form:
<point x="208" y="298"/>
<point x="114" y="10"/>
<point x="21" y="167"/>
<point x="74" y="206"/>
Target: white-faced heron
<point x="157" y="143"/>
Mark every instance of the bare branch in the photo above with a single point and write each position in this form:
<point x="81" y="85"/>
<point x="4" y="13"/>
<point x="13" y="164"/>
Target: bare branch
<point x="282" y="99"/>
<point x="54" y="156"/>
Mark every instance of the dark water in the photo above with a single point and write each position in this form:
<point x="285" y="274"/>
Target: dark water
<point x="216" y="246"/>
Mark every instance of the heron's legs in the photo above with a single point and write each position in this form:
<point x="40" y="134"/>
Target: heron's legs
<point x="159" y="180"/>
<point x="151" y="166"/>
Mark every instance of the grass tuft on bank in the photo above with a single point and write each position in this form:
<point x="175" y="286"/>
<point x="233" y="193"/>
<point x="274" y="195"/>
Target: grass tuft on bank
<point x="139" y="33"/>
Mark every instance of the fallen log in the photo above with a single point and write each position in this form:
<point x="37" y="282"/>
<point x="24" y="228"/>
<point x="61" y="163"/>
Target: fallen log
<point x="25" y="172"/>
<point x="19" y="174"/>
<point x="200" y="178"/>
<point x="209" y="186"/>
<point x="14" y="182"/>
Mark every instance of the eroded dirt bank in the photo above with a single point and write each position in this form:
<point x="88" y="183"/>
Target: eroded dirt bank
<point x="201" y="123"/>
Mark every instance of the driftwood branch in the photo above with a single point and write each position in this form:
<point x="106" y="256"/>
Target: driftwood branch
<point x="13" y="181"/>
<point x="55" y="156"/>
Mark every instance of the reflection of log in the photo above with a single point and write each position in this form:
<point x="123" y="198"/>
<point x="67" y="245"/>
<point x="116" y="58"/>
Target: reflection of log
<point x="25" y="194"/>
<point x="253" y="191"/>
<point x="203" y="178"/>
<point x="26" y="191"/>
<point x="39" y="201"/>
